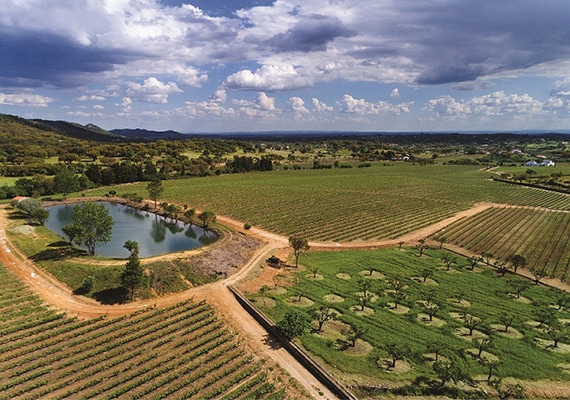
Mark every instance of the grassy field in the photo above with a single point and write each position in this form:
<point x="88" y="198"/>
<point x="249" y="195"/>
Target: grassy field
<point x="383" y="201"/>
<point x="335" y="279"/>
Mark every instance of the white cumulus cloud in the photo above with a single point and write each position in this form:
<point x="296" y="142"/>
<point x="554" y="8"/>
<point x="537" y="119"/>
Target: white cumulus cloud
<point x="152" y="90"/>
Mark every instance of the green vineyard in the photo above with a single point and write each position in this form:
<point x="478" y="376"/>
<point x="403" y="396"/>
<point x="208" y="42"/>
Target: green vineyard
<point x="178" y="352"/>
<point x="540" y="236"/>
<point x="346" y="205"/>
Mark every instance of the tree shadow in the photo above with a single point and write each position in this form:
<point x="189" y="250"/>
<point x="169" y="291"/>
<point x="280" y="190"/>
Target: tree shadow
<point x="111" y="296"/>
<point x="58" y="251"/>
<point x="271" y="342"/>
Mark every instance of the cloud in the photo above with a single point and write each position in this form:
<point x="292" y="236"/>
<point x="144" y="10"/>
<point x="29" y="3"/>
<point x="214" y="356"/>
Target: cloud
<point x="395" y="93"/>
<point x="496" y="104"/>
<point x="351" y="105"/>
<point x="152" y="90"/>
<point x="310" y="33"/>
<point x="90" y="98"/>
<point x="296" y="105"/>
<point x="320" y="106"/>
<point x="24" y="100"/>
<point x="267" y="78"/>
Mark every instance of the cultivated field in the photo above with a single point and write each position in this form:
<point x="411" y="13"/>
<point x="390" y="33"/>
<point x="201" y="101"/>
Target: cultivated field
<point x="177" y="352"/>
<point x="358" y="204"/>
<point x="541" y="236"/>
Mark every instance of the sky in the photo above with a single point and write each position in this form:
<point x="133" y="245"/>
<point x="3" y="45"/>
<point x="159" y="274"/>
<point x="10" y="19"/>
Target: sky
<point x="199" y="66"/>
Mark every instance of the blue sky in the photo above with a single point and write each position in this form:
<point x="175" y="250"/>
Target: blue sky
<point x="261" y="65"/>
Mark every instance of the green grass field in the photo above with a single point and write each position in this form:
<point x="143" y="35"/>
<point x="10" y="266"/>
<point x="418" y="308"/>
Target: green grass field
<point x="522" y="352"/>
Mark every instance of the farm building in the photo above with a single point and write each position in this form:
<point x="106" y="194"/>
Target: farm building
<point x="544" y="163"/>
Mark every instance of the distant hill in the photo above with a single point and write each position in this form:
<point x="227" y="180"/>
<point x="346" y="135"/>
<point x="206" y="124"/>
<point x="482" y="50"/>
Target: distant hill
<point x="143" y="134"/>
<point x="85" y="132"/>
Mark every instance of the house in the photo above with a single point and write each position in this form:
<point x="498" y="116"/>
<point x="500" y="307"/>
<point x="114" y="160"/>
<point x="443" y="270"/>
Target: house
<point x="544" y="163"/>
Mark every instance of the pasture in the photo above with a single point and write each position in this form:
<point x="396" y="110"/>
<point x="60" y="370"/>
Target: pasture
<point x="521" y="352"/>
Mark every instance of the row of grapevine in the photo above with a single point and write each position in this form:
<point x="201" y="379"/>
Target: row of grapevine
<point x="539" y="235"/>
<point x="177" y="352"/>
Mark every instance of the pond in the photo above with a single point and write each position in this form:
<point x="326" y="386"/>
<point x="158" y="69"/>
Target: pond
<point x="155" y="235"/>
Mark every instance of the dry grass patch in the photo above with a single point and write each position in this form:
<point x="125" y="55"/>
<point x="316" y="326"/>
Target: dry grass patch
<point x="427" y="282"/>
<point x="313" y="277"/>
<point x="400" y="309"/>
<point x="300" y="302"/>
<point x="333" y="298"/>
<point x="510" y="333"/>
<point x="361" y="348"/>
<point x="344" y="276"/>
<point x="359" y="311"/>
<point x="549" y="345"/>
<point x="460" y="303"/>
<point x="278" y="291"/>
<point x="463" y="332"/>
<point x="400" y="367"/>
<point x="424" y="318"/>
<point x="374" y="275"/>
<point x="263" y="301"/>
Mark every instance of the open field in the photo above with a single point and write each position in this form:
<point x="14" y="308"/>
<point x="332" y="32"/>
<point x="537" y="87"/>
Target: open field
<point x="358" y="204"/>
<point x="176" y="352"/>
<point x="540" y="236"/>
<point x="336" y="279"/>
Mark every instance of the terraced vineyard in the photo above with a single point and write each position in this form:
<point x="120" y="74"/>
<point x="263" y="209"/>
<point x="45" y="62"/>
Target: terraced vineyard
<point x="179" y="352"/>
<point x="540" y="236"/>
<point x="349" y="204"/>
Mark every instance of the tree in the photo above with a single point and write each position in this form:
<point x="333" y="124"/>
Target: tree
<point x="155" y="189"/>
<point x="426" y="273"/>
<point x="502" y="267"/>
<point x="448" y="260"/>
<point x="400" y="244"/>
<point x="397" y="293"/>
<point x="65" y="182"/>
<point x="294" y="323"/>
<point x="92" y="224"/>
<point x="41" y="215"/>
<point x="322" y="315"/>
<point x="488" y="258"/>
<point x="133" y="275"/>
<point x="556" y="332"/>
<point x="315" y="271"/>
<point x="482" y="344"/>
<point x="544" y="316"/>
<point x="421" y="246"/>
<point x="538" y="274"/>
<point x="431" y="309"/>
<point x="562" y="299"/>
<point x="206" y="218"/>
<point x="441" y="241"/>
<point x="397" y="352"/>
<point x="506" y="319"/>
<point x="516" y="391"/>
<point x="448" y="371"/>
<point x="491" y="364"/>
<point x="436" y="347"/>
<point x="354" y="333"/>
<point x="471" y="323"/>
<point x="28" y="206"/>
<point x="519" y="286"/>
<point x="474" y="261"/>
<point x="189" y="215"/>
<point x="299" y="245"/>
<point x="517" y="261"/>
